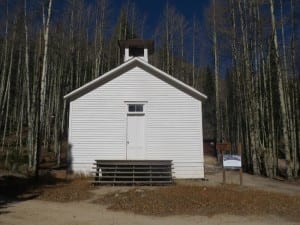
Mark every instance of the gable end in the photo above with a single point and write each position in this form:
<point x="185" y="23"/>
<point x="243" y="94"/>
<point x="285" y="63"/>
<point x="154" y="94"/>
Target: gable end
<point x="135" y="62"/>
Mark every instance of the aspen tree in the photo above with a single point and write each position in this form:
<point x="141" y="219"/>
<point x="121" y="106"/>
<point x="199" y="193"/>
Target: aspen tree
<point x="6" y="97"/>
<point x="3" y="70"/>
<point x="282" y="104"/>
<point x="216" y="73"/>
<point x="43" y="88"/>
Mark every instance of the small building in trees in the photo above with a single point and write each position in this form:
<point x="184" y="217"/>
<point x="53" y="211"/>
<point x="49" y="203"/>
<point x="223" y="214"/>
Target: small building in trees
<point x="137" y="112"/>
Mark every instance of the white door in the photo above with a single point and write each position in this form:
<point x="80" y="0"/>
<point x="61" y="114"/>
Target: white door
<point x="135" y="137"/>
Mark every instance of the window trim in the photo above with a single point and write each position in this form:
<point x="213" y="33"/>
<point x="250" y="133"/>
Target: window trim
<point x="143" y="103"/>
<point x="135" y="109"/>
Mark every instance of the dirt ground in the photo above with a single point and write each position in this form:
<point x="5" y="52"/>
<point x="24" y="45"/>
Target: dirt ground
<point x="36" y="212"/>
<point x="207" y="201"/>
<point x="64" y="201"/>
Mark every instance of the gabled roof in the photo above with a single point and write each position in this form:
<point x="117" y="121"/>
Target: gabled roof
<point x="126" y="66"/>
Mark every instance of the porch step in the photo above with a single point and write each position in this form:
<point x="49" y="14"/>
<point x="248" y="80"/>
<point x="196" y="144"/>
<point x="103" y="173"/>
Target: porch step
<point x="150" y="172"/>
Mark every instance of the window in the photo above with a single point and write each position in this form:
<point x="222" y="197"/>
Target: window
<point x="136" y="108"/>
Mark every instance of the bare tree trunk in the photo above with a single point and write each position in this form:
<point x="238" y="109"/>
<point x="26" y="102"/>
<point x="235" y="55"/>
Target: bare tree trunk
<point x="216" y="73"/>
<point x="99" y="39"/>
<point x="28" y="93"/>
<point x="167" y="27"/>
<point x="294" y="99"/>
<point x="193" y="51"/>
<point x="2" y="81"/>
<point x="7" y="96"/>
<point x="43" y="88"/>
<point x="281" y="95"/>
<point x="182" y="32"/>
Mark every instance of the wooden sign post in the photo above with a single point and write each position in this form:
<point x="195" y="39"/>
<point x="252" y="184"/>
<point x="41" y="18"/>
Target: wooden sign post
<point x="239" y="150"/>
<point x="230" y="161"/>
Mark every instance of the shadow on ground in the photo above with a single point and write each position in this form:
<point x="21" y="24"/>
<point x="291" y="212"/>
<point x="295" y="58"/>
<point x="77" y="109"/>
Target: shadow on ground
<point x="20" y="188"/>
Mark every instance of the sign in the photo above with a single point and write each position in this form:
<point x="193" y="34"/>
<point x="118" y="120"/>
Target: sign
<point x="232" y="161"/>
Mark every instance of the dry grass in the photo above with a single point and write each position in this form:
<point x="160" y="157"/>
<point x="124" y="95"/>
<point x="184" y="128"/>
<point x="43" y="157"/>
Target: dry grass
<point x="73" y="190"/>
<point x="180" y="199"/>
<point x="196" y="200"/>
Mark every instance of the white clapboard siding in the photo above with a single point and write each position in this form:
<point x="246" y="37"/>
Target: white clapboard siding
<point x="173" y="123"/>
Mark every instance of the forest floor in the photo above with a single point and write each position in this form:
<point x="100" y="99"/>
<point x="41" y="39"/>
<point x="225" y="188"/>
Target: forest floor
<point x="61" y="199"/>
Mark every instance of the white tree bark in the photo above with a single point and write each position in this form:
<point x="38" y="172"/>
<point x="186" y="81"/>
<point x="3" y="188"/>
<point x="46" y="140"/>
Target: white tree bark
<point x="43" y="85"/>
<point x="44" y="66"/>
<point x="216" y="74"/>
<point x="281" y="95"/>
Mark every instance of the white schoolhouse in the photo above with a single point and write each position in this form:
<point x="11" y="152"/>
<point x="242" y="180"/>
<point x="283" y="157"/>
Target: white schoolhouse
<point x="137" y="112"/>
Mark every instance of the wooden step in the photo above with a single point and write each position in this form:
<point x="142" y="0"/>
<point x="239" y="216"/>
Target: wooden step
<point x="132" y="182"/>
<point x="136" y="177"/>
<point x="133" y="162"/>
<point x="132" y="167"/>
<point x="135" y="172"/>
<point x="132" y="172"/>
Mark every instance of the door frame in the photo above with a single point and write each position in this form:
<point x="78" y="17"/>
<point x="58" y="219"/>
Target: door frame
<point x="127" y="113"/>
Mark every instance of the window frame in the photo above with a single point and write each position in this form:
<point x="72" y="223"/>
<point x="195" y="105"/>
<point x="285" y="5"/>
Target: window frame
<point x="135" y="103"/>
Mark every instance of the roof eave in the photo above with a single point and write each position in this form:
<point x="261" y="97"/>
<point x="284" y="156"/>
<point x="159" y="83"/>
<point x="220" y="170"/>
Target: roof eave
<point x="186" y="87"/>
<point x="76" y="91"/>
